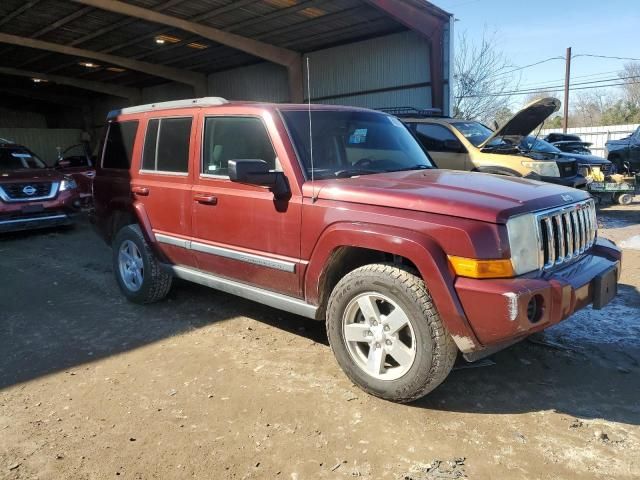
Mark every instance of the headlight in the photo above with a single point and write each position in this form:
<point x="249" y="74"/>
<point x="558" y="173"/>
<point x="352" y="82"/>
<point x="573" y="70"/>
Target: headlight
<point x="523" y="242"/>
<point x="68" y="183"/>
<point x="544" y="169"/>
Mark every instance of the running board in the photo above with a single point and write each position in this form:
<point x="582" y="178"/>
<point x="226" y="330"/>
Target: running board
<point x="266" y="297"/>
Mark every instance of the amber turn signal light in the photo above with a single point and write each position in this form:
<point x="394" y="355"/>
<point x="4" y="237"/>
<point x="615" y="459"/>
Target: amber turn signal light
<point x="473" y="268"/>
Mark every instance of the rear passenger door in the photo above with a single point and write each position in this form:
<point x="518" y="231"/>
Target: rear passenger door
<point x="433" y="138"/>
<point x="239" y="230"/>
<point x="163" y="183"/>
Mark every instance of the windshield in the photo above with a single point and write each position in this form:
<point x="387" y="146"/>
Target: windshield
<point x="348" y="143"/>
<point x="19" y="158"/>
<point x="476" y="133"/>
<point x="533" y="144"/>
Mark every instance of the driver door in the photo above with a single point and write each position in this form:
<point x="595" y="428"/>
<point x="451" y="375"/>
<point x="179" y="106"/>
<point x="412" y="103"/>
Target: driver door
<point x="239" y="230"/>
<point x="439" y="142"/>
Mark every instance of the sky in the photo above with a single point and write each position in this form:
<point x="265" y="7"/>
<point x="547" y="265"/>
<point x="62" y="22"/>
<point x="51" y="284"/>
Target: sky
<point x="528" y="32"/>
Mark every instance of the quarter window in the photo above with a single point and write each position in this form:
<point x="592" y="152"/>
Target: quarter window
<point x="433" y="136"/>
<point x="166" y="145"/>
<point x="118" y="149"/>
<point x="235" y="138"/>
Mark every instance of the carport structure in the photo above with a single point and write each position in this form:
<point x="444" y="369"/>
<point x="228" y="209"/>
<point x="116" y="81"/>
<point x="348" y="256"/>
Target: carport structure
<point x="110" y="53"/>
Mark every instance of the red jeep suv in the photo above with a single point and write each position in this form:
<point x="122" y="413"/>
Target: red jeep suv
<point x="337" y="214"/>
<point x="31" y="194"/>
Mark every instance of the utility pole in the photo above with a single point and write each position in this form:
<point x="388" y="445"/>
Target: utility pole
<point x="567" y="77"/>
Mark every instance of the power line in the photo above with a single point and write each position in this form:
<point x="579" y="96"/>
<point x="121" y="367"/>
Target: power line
<point x="531" y="65"/>
<point x="573" y="77"/>
<point x="605" y="56"/>
<point x="524" y="92"/>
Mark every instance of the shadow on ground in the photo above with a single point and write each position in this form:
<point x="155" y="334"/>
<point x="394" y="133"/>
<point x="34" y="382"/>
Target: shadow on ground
<point x="61" y="308"/>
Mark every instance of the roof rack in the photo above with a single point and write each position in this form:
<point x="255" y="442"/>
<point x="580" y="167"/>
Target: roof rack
<point x="191" y="102"/>
<point x="413" y="112"/>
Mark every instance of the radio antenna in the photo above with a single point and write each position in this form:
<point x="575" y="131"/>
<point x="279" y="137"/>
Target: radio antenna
<point x="313" y="184"/>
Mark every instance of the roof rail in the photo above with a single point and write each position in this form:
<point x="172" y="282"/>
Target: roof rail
<point x="190" y="102"/>
<point x="413" y="112"/>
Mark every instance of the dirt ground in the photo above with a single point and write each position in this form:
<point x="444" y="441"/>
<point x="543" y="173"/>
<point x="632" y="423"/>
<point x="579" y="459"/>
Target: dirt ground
<point x="206" y="385"/>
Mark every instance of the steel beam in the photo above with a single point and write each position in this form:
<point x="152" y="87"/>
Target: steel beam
<point x="291" y="59"/>
<point x="197" y="80"/>
<point x="133" y="94"/>
<point x="431" y="27"/>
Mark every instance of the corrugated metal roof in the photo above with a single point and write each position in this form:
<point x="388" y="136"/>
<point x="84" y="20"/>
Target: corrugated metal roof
<point x="301" y="25"/>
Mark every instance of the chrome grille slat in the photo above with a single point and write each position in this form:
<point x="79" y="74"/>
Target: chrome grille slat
<point x="566" y="233"/>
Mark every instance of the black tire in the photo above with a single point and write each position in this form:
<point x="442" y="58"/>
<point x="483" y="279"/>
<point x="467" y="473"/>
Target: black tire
<point x="435" y="351"/>
<point x="156" y="282"/>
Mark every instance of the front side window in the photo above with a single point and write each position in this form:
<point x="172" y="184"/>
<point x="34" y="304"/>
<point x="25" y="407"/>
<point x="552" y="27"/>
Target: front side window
<point x="433" y="137"/>
<point x="166" y="145"/>
<point x="235" y="138"/>
<point x="118" y="149"/>
<point x="348" y="143"/>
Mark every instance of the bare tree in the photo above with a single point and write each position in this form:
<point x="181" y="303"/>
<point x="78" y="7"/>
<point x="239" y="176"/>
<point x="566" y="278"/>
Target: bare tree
<point x="481" y="79"/>
<point x="631" y="77"/>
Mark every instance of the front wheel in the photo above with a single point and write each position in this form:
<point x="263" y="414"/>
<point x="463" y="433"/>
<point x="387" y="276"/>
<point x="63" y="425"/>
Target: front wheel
<point x="139" y="274"/>
<point x="624" y="198"/>
<point x="386" y="333"/>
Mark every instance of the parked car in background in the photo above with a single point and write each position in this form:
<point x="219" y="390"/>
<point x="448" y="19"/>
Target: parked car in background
<point x="589" y="166"/>
<point x="31" y="194"/>
<point x="345" y="219"/>
<point x="469" y="145"/>
<point x="78" y="162"/>
<point x="569" y="143"/>
<point x="625" y="153"/>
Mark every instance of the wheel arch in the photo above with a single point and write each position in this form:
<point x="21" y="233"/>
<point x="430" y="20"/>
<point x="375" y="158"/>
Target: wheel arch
<point x="343" y="247"/>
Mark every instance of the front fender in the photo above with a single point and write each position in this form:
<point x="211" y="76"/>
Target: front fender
<point x="420" y="249"/>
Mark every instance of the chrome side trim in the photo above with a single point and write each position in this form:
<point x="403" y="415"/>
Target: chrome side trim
<point x="268" y="262"/>
<point x="37" y="219"/>
<point x="53" y="191"/>
<point x="244" y="257"/>
<point x="169" y="240"/>
<point x="266" y="297"/>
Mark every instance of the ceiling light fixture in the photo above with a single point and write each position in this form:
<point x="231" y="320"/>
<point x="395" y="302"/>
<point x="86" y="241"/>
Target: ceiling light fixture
<point x="197" y="45"/>
<point x="39" y="80"/>
<point x="89" y="64"/>
<point x="162" y="39"/>
<point x="116" y="69"/>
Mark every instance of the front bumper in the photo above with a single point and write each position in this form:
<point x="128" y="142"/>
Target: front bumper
<point x="577" y="181"/>
<point x="47" y="220"/>
<point x="59" y="211"/>
<point x="497" y="309"/>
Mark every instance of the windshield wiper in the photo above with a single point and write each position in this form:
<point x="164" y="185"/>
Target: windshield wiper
<point x="352" y="172"/>
<point x="421" y="166"/>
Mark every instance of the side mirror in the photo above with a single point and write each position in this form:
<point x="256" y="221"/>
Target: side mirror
<point x="452" y="146"/>
<point x="256" y="172"/>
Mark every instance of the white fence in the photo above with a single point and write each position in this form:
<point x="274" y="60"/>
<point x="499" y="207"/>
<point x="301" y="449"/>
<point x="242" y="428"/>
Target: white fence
<point x="598" y="136"/>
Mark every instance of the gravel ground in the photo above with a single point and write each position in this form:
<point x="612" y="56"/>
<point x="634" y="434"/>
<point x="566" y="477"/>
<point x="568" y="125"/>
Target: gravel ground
<point x="206" y="385"/>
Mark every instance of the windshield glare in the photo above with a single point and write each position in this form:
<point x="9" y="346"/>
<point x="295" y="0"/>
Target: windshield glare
<point x="16" y="158"/>
<point x="348" y="143"/>
<point x="476" y="133"/>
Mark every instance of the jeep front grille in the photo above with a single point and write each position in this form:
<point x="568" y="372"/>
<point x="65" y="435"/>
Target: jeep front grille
<point x="566" y="233"/>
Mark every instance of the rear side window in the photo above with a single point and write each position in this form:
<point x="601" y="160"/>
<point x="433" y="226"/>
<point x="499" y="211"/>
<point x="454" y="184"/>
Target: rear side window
<point x="235" y="138"/>
<point x="118" y="149"/>
<point x="166" y="145"/>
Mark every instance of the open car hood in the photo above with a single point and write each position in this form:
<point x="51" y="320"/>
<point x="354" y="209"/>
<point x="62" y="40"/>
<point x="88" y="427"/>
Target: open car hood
<point x="523" y="122"/>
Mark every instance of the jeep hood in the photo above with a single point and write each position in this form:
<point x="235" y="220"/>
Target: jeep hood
<point x="523" y="122"/>
<point x="476" y="196"/>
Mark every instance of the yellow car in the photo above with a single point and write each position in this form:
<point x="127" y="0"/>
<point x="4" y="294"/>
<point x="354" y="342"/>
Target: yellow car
<point x="469" y="145"/>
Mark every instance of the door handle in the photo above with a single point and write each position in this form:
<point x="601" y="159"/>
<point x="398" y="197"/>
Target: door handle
<point x="206" y="199"/>
<point x="142" y="191"/>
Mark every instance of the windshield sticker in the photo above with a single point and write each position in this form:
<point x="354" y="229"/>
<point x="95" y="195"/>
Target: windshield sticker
<point x="21" y="155"/>
<point x="394" y="121"/>
<point x="358" y="136"/>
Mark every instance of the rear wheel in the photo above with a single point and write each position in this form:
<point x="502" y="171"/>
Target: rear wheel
<point x="624" y="198"/>
<point x="386" y="333"/>
<point x="138" y="273"/>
